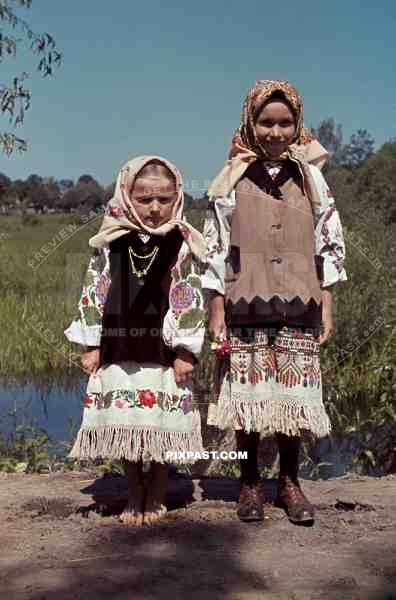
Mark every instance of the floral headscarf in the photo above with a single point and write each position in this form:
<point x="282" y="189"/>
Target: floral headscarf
<point x="261" y="92"/>
<point x="245" y="147"/>
<point x="121" y="217"/>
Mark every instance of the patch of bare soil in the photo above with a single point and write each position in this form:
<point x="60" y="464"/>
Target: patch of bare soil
<point x="60" y="538"/>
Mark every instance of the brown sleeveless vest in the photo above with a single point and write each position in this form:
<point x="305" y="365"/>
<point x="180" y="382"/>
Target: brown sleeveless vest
<point x="271" y="272"/>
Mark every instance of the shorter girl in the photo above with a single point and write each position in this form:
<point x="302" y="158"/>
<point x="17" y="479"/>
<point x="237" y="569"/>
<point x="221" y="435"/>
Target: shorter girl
<point x="141" y="321"/>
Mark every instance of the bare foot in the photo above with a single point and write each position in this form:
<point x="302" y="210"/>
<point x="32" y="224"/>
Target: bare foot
<point x="154" y="507"/>
<point x="133" y="512"/>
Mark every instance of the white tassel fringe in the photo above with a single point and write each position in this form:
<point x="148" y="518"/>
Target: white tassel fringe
<point x="135" y="443"/>
<point x="269" y="415"/>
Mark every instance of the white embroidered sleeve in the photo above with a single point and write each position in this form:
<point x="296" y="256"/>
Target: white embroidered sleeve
<point x="184" y="322"/>
<point x="329" y="237"/>
<point x="86" y="327"/>
<point x="217" y="229"/>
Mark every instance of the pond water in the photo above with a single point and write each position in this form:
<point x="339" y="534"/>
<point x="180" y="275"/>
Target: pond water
<point x="55" y="408"/>
<point x="58" y="409"/>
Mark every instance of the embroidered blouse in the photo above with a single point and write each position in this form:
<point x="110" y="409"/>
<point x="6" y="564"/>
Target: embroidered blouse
<point x="183" y="325"/>
<point x="329" y="239"/>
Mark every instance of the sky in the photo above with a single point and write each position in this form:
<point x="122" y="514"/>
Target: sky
<point x="169" y="78"/>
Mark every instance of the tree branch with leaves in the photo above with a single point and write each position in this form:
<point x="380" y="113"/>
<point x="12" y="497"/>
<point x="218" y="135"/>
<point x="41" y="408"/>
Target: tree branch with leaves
<point x="15" y="96"/>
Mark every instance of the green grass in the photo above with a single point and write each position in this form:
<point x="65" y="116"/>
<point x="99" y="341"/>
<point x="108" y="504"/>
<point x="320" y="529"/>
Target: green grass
<point x="43" y="291"/>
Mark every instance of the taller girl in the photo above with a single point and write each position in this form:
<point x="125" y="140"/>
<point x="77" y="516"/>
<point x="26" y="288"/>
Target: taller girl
<point x="276" y="251"/>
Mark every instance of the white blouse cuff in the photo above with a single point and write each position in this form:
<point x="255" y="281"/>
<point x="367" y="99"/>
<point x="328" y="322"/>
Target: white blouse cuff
<point x="84" y="335"/>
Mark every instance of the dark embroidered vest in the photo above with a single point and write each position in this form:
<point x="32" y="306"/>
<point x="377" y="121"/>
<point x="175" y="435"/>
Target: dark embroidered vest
<point x="271" y="272"/>
<point x="135" y="308"/>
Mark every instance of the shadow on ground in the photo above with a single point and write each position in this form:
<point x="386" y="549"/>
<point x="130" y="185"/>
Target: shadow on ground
<point x="204" y="552"/>
<point x="174" y="560"/>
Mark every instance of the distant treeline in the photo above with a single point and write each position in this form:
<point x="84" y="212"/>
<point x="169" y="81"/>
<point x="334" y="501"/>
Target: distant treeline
<point x="38" y="194"/>
<point x="41" y="195"/>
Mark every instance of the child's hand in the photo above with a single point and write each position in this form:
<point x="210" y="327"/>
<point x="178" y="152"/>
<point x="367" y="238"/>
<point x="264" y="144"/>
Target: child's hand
<point x="327" y="317"/>
<point x="327" y="324"/>
<point x="217" y="328"/>
<point x="183" y="366"/>
<point x="90" y="360"/>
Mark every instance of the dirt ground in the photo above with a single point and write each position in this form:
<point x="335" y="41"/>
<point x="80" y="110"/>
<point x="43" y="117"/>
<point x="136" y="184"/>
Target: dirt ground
<point x="60" y="538"/>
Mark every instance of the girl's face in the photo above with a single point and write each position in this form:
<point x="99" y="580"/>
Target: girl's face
<point x="153" y="199"/>
<point x="275" y="127"/>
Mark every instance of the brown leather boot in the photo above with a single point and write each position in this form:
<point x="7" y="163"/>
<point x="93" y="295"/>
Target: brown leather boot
<point x="250" y="504"/>
<point x="292" y="499"/>
<point x="290" y="496"/>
